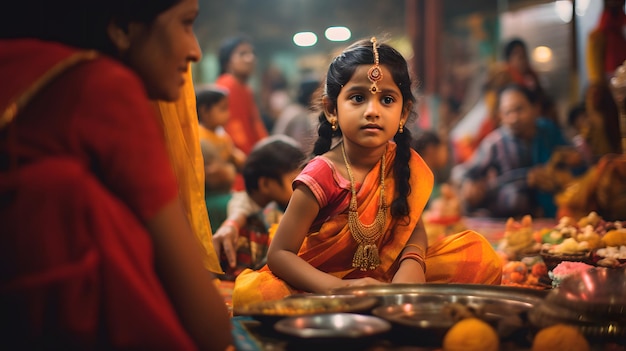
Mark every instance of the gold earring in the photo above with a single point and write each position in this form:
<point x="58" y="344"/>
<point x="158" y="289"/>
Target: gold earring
<point x="401" y="129"/>
<point x="333" y="124"/>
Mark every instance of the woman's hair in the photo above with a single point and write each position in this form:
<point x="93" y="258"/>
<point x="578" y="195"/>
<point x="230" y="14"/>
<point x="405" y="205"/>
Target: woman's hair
<point x="339" y="73"/>
<point x="272" y="158"/>
<point x="227" y="48"/>
<point x="209" y="96"/>
<point x="78" y="23"/>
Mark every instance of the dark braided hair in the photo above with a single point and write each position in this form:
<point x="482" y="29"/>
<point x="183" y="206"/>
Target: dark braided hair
<point x="339" y="73"/>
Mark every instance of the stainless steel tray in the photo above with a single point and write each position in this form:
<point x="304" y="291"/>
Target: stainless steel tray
<point x="425" y="308"/>
<point x="594" y="301"/>
<point x="518" y="299"/>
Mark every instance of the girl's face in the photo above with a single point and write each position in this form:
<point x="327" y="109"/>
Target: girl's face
<point x="217" y="115"/>
<point x="366" y="119"/>
<point x="160" y="53"/>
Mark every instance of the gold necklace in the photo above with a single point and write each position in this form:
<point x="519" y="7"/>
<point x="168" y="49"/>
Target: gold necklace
<point x="366" y="255"/>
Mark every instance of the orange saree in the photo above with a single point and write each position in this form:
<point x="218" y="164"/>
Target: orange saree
<point x="461" y="258"/>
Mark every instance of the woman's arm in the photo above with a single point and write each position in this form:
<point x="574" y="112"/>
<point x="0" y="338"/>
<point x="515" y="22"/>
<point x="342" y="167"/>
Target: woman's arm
<point x="282" y="256"/>
<point x="178" y="259"/>
<point x="411" y="270"/>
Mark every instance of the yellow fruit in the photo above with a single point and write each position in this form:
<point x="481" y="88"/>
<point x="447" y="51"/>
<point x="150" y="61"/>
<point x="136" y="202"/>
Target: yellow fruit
<point x="560" y="337"/>
<point x="615" y="237"/>
<point x="471" y="334"/>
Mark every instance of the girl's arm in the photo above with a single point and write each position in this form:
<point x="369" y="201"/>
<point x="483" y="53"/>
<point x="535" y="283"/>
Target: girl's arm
<point x="189" y="285"/>
<point x="411" y="270"/>
<point x="282" y="256"/>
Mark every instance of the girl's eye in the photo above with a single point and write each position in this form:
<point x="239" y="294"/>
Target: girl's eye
<point x="387" y="100"/>
<point x="357" y="98"/>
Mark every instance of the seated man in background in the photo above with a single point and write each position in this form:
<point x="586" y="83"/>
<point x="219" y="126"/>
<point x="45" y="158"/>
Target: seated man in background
<point x="517" y="167"/>
<point x="243" y="238"/>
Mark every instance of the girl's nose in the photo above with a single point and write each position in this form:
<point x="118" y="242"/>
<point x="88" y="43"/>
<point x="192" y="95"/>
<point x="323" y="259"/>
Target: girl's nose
<point x="373" y="107"/>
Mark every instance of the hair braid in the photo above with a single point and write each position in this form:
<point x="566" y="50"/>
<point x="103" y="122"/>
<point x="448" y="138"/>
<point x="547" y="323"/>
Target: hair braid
<point x="325" y="136"/>
<point x="400" y="205"/>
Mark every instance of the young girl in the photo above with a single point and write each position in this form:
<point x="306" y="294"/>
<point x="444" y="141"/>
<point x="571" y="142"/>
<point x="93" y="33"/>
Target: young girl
<point x="354" y="216"/>
<point x="222" y="160"/>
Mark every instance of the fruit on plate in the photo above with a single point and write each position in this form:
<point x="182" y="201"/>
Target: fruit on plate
<point x="471" y="334"/>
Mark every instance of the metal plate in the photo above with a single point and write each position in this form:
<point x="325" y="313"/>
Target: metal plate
<point x="301" y="306"/>
<point x="332" y="325"/>
<point x="396" y="294"/>
<point x="594" y="301"/>
<point x="424" y="308"/>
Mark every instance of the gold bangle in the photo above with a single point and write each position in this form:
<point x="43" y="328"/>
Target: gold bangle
<point x="415" y="257"/>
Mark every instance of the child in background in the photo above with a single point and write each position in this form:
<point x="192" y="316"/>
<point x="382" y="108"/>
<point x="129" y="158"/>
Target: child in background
<point x="222" y="160"/>
<point x="434" y="152"/>
<point x="243" y="239"/>
<point x="354" y="216"/>
<point x="443" y="214"/>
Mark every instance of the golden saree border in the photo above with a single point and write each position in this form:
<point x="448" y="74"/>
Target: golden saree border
<point x="23" y="98"/>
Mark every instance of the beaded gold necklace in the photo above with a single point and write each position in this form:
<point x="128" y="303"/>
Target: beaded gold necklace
<point x="366" y="255"/>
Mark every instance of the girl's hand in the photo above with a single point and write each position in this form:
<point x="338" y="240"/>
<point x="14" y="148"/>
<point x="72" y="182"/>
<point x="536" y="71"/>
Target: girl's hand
<point x="362" y="282"/>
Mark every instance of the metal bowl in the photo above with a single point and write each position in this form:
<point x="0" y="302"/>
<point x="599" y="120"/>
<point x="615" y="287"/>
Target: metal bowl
<point x="593" y="300"/>
<point x="332" y="326"/>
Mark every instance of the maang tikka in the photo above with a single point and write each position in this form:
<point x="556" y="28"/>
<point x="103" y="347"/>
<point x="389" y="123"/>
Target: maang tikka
<point x="374" y="74"/>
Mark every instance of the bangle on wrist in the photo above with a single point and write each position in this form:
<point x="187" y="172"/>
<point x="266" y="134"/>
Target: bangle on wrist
<point x="415" y="257"/>
<point x="231" y="223"/>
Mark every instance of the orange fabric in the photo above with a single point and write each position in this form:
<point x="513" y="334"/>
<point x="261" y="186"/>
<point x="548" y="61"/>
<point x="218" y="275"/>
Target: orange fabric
<point x="465" y="258"/>
<point x="462" y="258"/>
<point x="331" y="248"/>
<point x="606" y="47"/>
<point x="222" y="142"/>
<point x="179" y="120"/>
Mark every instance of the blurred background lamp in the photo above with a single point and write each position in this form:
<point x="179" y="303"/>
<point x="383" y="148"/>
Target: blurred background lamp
<point x="305" y="39"/>
<point x="337" y="33"/>
<point x="564" y="9"/>
<point x="542" y="54"/>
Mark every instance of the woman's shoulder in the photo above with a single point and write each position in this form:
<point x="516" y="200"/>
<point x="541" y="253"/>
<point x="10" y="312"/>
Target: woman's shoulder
<point x="107" y="74"/>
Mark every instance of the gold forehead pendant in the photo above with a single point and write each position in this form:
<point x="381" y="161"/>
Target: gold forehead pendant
<point x="374" y="74"/>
